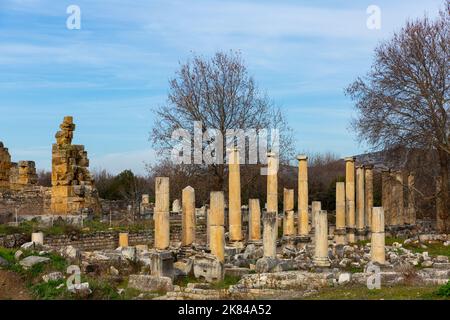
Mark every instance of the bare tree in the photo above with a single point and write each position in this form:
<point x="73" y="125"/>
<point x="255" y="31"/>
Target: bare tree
<point x="219" y="93"/>
<point x="403" y="102"/>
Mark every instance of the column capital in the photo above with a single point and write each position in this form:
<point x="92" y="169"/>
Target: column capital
<point x="352" y="158"/>
<point x="301" y="157"/>
<point x="271" y="154"/>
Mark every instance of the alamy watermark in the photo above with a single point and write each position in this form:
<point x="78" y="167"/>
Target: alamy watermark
<point x="373" y="22"/>
<point x="73" y="21"/>
<point x="206" y="146"/>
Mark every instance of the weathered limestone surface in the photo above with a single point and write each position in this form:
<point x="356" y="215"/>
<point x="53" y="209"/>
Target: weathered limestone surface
<point x="350" y="197"/>
<point x="378" y="237"/>
<point x="5" y="166"/>
<point x="72" y="185"/>
<point x="386" y="195"/>
<point x="340" y="231"/>
<point x="270" y="234"/>
<point x="272" y="184"/>
<point x="411" y="199"/>
<point x="22" y="174"/>
<point x="397" y="199"/>
<point x="188" y="217"/>
<point x="360" y="206"/>
<point x="368" y="195"/>
<point x="321" y="239"/>
<point x="254" y="229"/>
<point x="162" y="213"/>
<point x="303" y="224"/>
<point x="234" y="196"/>
<point x="288" y="210"/>
<point x="216" y="225"/>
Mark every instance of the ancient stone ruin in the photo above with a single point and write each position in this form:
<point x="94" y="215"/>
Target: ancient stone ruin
<point x="72" y="185"/>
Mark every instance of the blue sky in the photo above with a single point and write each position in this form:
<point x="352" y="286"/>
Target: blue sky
<point x="111" y="73"/>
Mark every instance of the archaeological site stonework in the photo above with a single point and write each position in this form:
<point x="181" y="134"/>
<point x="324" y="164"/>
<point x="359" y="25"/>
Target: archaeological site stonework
<point x="72" y="185"/>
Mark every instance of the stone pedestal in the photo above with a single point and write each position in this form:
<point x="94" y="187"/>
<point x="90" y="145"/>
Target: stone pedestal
<point x="188" y="216"/>
<point x="161" y="214"/>
<point x="216" y="225"/>
<point x="234" y="196"/>
<point x="368" y="196"/>
<point x="270" y="234"/>
<point x="340" y="233"/>
<point x="321" y="240"/>
<point x="162" y="264"/>
<point x="303" y="221"/>
<point x="37" y="238"/>
<point x="378" y="238"/>
<point x="360" y="206"/>
<point x="350" y="198"/>
<point x="123" y="240"/>
<point x="254" y="221"/>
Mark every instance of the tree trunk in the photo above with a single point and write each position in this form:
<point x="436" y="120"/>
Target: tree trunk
<point x="443" y="201"/>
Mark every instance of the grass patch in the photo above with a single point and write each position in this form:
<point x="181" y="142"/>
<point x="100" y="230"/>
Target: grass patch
<point x="401" y="292"/>
<point x="49" y="290"/>
<point x="225" y="283"/>
<point x="433" y="249"/>
<point x="183" y="281"/>
<point x="444" y="290"/>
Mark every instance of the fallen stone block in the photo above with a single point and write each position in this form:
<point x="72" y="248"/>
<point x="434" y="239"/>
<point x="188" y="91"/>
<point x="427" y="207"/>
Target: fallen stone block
<point x="150" y="283"/>
<point x="30" y="261"/>
<point x="208" y="267"/>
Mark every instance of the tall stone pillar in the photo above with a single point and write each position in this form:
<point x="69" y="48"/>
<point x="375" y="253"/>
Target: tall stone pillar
<point x="216" y="225"/>
<point x="162" y="213"/>
<point x="377" y="250"/>
<point x="386" y="196"/>
<point x="234" y="196"/>
<point x="303" y="221"/>
<point x="188" y="216"/>
<point x="272" y="184"/>
<point x="440" y="207"/>
<point x="270" y="233"/>
<point x="316" y="206"/>
<point x="411" y="199"/>
<point x="321" y="240"/>
<point x="360" y="206"/>
<point x="397" y="194"/>
<point x="254" y="221"/>
<point x="350" y="197"/>
<point x="340" y="231"/>
<point x="368" y="195"/>
<point x="288" y="210"/>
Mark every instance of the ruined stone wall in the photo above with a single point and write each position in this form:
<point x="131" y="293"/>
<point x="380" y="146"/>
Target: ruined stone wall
<point x="5" y="166"/>
<point x="22" y="175"/>
<point x="28" y="201"/>
<point x="72" y="185"/>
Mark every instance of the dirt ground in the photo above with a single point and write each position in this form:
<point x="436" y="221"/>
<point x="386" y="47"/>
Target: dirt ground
<point x="12" y="287"/>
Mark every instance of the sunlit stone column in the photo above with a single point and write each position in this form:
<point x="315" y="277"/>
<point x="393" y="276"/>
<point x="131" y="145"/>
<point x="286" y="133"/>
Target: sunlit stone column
<point x="272" y="184"/>
<point x="188" y="216"/>
<point x="162" y="213"/>
<point x="123" y="240"/>
<point x="288" y="210"/>
<point x="270" y="232"/>
<point x="316" y="206"/>
<point x="360" y="206"/>
<point x="386" y="196"/>
<point x="411" y="199"/>
<point x="303" y="223"/>
<point x="321" y="240"/>
<point x="368" y="196"/>
<point x="234" y="196"/>
<point x="216" y="225"/>
<point x="254" y="221"/>
<point x="377" y="250"/>
<point x="340" y="231"/>
<point x="350" y="197"/>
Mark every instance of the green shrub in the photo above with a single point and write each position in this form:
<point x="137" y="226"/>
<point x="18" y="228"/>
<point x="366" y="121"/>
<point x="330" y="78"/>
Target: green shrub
<point x="444" y="290"/>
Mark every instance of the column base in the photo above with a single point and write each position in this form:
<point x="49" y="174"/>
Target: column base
<point x="321" y="262"/>
<point x="351" y="235"/>
<point x="237" y="244"/>
<point x="255" y="242"/>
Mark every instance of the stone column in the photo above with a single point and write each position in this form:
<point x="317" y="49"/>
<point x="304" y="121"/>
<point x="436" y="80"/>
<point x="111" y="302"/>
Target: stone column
<point x="377" y="251"/>
<point x="272" y="184"/>
<point x="254" y="221"/>
<point x="37" y="238"/>
<point x="340" y="232"/>
<point x="270" y="233"/>
<point x="350" y="197"/>
<point x="440" y="206"/>
<point x="368" y="195"/>
<point x="234" y="196"/>
<point x="145" y="199"/>
<point x="288" y="210"/>
<point x="123" y="240"/>
<point x="321" y="240"/>
<point x="386" y="196"/>
<point x="303" y="221"/>
<point x="397" y="193"/>
<point x="411" y="199"/>
<point x="188" y="216"/>
<point x="216" y="225"/>
<point x="161" y="213"/>
<point x="360" y="206"/>
<point x="316" y="206"/>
